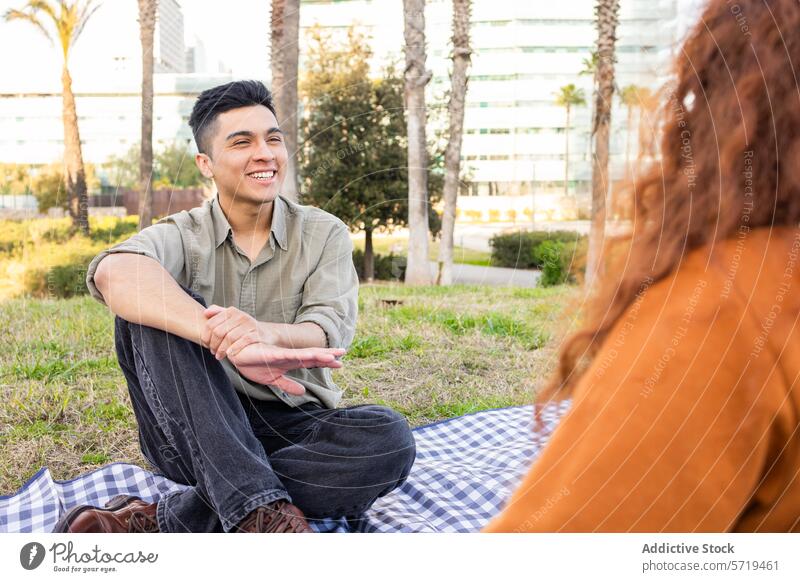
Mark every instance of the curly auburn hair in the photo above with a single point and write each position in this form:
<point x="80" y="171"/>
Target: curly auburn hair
<point x="734" y="103"/>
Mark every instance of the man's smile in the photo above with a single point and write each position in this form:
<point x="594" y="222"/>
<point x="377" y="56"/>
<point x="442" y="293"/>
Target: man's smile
<point x="263" y="176"/>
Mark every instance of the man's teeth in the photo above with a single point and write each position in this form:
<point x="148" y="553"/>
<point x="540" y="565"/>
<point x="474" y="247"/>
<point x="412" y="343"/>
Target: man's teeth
<point x="262" y="175"/>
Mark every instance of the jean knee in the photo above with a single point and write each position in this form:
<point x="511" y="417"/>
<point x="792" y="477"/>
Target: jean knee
<point x="395" y="440"/>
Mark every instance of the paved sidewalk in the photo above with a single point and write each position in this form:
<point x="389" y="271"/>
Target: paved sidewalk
<point x="493" y="276"/>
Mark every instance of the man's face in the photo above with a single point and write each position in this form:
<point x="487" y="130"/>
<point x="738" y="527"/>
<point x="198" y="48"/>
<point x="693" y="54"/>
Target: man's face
<point x="247" y="156"/>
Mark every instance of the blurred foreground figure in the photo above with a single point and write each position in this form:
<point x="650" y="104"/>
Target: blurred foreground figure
<point x="685" y="376"/>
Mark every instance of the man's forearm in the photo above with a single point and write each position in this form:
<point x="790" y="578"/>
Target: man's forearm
<point x="138" y="289"/>
<point x="298" y="335"/>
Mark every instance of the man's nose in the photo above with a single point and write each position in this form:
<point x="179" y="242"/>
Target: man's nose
<point x="264" y="152"/>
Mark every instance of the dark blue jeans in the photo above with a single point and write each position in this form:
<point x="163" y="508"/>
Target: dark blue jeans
<point x="236" y="453"/>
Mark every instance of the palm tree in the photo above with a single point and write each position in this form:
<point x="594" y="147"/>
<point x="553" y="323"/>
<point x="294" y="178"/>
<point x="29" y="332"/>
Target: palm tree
<point x="629" y="96"/>
<point x="590" y="68"/>
<point x="648" y="103"/>
<point x="284" y="55"/>
<point x="416" y="77"/>
<point x="147" y="26"/>
<point x="606" y="15"/>
<point x="67" y="18"/>
<point x="452" y="156"/>
<point x="568" y="96"/>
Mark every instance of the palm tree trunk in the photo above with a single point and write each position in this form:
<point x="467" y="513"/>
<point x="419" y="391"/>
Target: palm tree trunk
<point x="74" y="174"/>
<point x="285" y="53"/>
<point x="628" y="143"/>
<point x="590" y="141"/>
<point x="452" y="155"/>
<point x="416" y="77"/>
<point x="369" y="257"/>
<point x="566" y="155"/>
<point x="606" y="13"/>
<point x="147" y="23"/>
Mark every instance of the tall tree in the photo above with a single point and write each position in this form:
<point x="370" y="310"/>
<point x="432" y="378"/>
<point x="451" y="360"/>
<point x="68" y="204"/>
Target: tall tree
<point x="416" y="78"/>
<point x="147" y="27"/>
<point x="648" y="104"/>
<point x="284" y="55"/>
<point x="606" y="18"/>
<point x="568" y="96"/>
<point x="629" y="96"/>
<point x="354" y="161"/>
<point x="452" y="155"/>
<point x="67" y="20"/>
<point x="590" y="68"/>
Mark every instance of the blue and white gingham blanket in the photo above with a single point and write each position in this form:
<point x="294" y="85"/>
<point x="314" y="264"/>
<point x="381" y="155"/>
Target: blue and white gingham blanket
<point x="466" y="468"/>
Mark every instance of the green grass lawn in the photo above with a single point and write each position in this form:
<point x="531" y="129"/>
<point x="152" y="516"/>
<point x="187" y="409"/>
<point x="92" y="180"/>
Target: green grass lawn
<point x="383" y="245"/>
<point x="439" y="352"/>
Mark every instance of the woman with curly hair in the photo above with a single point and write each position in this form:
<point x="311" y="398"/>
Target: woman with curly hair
<point x="685" y="377"/>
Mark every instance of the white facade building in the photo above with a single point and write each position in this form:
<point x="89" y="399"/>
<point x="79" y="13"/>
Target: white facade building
<point x="523" y="52"/>
<point x="169" y="52"/>
<point x="31" y="131"/>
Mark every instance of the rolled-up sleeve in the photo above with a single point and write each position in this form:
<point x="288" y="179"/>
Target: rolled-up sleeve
<point x="160" y="242"/>
<point x="330" y="294"/>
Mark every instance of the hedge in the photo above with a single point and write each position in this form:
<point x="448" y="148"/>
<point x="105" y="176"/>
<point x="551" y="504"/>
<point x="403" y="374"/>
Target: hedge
<point x="518" y="249"/>
<point x="560" y="254"/>
<point x="389" y="267"/>
<point x="46" y="258"/>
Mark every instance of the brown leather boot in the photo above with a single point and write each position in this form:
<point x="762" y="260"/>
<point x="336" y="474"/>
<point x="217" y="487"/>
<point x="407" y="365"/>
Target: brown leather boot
<point x="122" y="514"/>
<point x="277" y="517"/>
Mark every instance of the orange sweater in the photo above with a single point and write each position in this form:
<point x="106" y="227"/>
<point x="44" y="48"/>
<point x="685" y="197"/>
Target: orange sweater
<point x="687" y="419"/>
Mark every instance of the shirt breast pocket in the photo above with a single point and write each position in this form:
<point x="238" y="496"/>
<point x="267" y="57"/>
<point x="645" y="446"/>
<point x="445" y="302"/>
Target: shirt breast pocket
<point x="284" y="309"/>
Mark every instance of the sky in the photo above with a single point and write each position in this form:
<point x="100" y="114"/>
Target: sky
<point x="237" y="35"/>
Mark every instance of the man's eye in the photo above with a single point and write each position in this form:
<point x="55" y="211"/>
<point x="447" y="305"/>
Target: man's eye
<point x="275" y="139"/>
<point x="240" y="143"/>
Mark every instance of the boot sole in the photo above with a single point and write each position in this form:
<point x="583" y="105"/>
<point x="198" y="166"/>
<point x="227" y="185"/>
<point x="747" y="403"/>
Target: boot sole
<point x="113" y="504"/>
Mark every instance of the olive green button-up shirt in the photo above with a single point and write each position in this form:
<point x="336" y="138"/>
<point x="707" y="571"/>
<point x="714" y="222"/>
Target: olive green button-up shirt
<point x="304" y="273"/>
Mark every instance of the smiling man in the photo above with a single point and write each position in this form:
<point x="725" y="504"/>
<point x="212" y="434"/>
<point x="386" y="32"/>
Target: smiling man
<point x="229" y="319"/>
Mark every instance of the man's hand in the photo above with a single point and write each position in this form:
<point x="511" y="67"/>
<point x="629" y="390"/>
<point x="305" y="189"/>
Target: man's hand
<point x="229" y="330"/>
<point x="267" y="364"/>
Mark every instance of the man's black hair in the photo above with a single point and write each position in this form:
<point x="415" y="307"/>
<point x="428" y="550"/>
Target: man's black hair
<point x="220" y="99"/>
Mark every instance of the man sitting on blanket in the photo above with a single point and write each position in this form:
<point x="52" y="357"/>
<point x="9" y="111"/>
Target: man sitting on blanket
<point x="236" y="399"/>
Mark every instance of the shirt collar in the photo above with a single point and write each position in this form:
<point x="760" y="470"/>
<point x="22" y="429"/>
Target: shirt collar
<point x="279" y="210"/>
<point x="222" y="227"/>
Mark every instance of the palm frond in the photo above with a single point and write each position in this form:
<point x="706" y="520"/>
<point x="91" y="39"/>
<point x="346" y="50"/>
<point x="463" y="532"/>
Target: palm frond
<point x="84" y="14"/>
<point x="43" y="6"/>
<point x="30" y="18"/>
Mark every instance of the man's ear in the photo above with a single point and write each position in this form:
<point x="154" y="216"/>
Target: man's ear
<point x="205" y="165"/>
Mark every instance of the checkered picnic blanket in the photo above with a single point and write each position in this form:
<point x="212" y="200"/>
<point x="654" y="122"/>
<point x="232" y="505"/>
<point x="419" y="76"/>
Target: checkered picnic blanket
<point x="466" y="468"/>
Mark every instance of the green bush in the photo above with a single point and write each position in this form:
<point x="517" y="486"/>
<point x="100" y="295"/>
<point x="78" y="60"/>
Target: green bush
<point x="59" y="270"/>
<point x="548" y="255"/>
<point x="518" y="249"/>
<point x="111" y="229"/>
<point x="46" y="258"/>
<point x="13" y="234"/>
<point x="49" y="188"/>
<point x="389" y="267"/>
<point x="16" y="234"/>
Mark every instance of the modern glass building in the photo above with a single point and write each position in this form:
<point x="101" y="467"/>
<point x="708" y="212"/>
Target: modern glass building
<point x="169" y="51"/>
<point x="514" y="143"/>
<point x="31" y="131"/>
